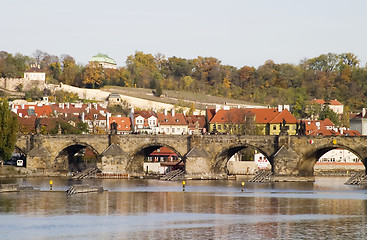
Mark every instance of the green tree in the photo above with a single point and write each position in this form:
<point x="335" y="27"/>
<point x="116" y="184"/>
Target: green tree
<point x="8" y="131"/>
<point x="328" y="113"/>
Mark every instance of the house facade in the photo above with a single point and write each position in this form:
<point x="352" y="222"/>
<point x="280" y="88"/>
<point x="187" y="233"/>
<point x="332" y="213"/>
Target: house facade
<point x="172" y="123"/>
<point x="144" y="122"/>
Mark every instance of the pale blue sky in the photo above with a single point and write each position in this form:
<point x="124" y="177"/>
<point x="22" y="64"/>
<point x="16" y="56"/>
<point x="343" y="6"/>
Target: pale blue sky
<point x="236" y="32"/>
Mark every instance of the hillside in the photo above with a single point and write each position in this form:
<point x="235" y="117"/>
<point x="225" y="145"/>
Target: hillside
<point x="180" y="98"/>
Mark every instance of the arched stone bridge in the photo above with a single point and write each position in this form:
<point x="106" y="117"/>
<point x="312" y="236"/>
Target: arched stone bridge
<point x="292" y="157"/>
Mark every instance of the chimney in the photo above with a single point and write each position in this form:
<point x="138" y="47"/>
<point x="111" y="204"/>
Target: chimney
<point x="280" y="108"/>
<point x="132" y="110"/>
<point x="287" y="107"/>
<point x="82" y="116"/>
<point x="22" y="106"/>
<point x="173" y="112"/>
<point x="363" y="112"/>
<point x="165" y="112"/>
<point x="341" y="131"/>
<point x="67" y="105"/>
<point x="217" y="108"/>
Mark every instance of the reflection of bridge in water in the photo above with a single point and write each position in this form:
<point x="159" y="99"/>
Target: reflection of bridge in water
<point x="292" y="157"/>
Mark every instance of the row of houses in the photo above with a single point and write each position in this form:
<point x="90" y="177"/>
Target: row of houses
<point x="264" y="121"/>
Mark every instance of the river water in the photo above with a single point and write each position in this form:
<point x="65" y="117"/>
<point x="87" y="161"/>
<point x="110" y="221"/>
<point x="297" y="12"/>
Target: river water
<point x="153" y="209"/>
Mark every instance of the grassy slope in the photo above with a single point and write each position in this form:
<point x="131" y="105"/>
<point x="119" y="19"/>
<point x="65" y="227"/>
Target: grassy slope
<point x="183" y="99"/>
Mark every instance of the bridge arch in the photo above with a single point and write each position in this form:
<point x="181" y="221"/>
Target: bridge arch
<point x="221" y="159"/>
<point x="76" y="157"/>
<point x="306" y="166"/>
<point x="139" y="155"/>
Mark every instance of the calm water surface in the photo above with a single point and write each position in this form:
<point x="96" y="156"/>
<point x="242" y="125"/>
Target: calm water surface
<point x="152" y="209"/>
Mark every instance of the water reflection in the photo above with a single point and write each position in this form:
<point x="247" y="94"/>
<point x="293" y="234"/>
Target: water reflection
<point x="208" y="210"/>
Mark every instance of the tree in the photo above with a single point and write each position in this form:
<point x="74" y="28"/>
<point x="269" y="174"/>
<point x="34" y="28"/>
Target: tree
<point x="158" y="90"/>
<point x="8" y="131"/>
<point x="327" y="112"/>
<point x="93" y="75"/>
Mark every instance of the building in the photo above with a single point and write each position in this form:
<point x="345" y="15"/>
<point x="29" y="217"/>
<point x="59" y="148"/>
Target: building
<point x="35" y="73"/>
<point x="162" y="160"/>
<point x="172" y="123"/>
<point x="230" y="121"/>
<point x="104" y="61"/>
<point x="327" y="128"/>
<point x="270" y="120"/>
<point x="334" y="105"/>
<point x="358" y="122"/>
<point x="196" y="124"/>
<point x="114" y="99"/>
<point x="123" y="124"/>
<point x="144" y="121"/>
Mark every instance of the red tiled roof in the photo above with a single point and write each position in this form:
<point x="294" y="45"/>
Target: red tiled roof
<point x="264" y="115"/>
<point x="286" y="115"/>
<point x="210" y="112"/>
<point x="144" y="114"/>
<point x="235" y="115"/>
<point x="178" y="119"/>
<point x="164" y="151"/>
<point x="192" y="119"/>
<point x="39" y="110"/>
<point x="322" y="102"/>
<point x="123" y="123"/>
<point x="327" y="123"/>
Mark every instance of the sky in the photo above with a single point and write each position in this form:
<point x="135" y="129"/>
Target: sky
<point x="237" y="32"/>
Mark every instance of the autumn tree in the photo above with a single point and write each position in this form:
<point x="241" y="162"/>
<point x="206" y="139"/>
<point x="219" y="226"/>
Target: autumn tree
<point x="93" y="75"/>
<point x="71" y="73"/>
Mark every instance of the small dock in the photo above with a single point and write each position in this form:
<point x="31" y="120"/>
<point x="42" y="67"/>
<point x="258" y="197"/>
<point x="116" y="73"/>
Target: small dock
<point x="83" y="188"/>
<point x="16" y="188"/>
<point x="357" y="179"/>
<point x="262" y="177"/>
<point x="173" y="175"/>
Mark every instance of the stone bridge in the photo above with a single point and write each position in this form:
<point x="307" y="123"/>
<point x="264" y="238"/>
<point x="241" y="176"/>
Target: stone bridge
<point x="292" y="157"/>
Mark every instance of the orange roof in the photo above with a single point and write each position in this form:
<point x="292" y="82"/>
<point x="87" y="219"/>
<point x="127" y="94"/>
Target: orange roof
<point x="178" y="119"/>
<point x="164" y="151"/>
<point x="322" y="102"/>
<point x="284" y="115"/>
<point x="192" y="119"/>
<point x="210" y="112"/>
<point x="39" y="110"/>
<point x="327" y="122"/>
<point x="235" y="115"/>
<point x="123" y="123"/>
<point x="264" y="115"/>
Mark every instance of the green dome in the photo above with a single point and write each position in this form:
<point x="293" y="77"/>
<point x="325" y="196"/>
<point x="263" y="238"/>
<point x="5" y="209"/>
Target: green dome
<point x="102" y="58"/>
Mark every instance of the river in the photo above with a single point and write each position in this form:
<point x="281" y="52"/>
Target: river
<point x="153" y="209"/>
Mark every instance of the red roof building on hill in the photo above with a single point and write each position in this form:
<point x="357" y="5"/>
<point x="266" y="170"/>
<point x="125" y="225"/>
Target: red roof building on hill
<point x="334" y="105"/>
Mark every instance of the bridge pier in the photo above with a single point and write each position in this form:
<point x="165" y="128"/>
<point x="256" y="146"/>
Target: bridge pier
<point x="286" y="164"/>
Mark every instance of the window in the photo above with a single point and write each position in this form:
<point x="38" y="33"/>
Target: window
<point x="219" y="127"/>
<point x="173" y="130"/>
<point x="275" y="127"/>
